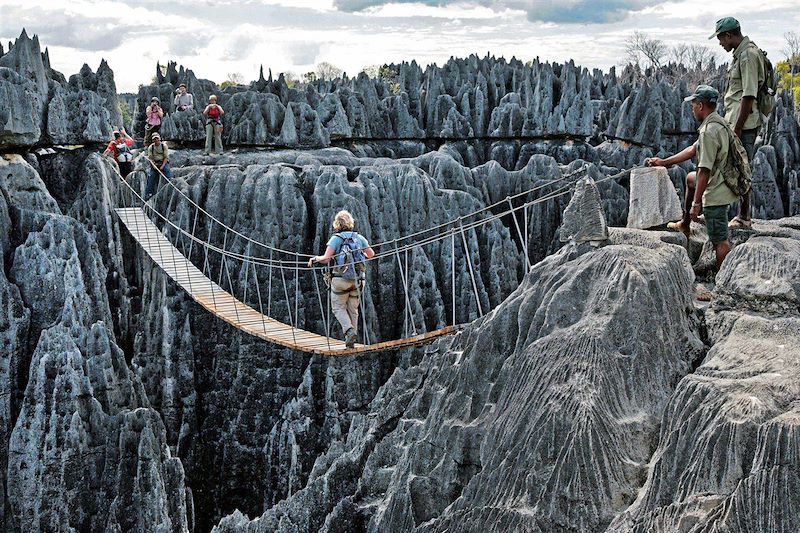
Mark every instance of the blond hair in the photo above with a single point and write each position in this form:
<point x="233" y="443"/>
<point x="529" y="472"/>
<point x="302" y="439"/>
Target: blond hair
<point x="212" y="97"/>
<point x="343" y="221"/>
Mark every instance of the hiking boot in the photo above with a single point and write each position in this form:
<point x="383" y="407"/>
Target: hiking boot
<point x="350" y="338"/>
<point x="676" y="226"/>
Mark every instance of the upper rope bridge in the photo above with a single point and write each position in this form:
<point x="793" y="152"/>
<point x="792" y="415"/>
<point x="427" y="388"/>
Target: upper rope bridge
<point x="173" y="244"/>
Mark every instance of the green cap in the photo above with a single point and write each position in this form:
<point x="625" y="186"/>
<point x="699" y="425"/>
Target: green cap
<point x="725" y="24"/>
<point x="704" y="93"/>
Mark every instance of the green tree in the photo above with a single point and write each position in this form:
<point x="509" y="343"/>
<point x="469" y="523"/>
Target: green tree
<point x="787" y="81"/>
<point x="234" y="78"/>
<point x="126" y="115"/>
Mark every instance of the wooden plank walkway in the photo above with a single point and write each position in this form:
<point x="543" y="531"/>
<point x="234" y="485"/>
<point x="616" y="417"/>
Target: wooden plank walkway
<point x="235" y="312"/>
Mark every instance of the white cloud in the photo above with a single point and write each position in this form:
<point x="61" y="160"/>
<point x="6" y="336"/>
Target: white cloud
<point x="214" y="38"/>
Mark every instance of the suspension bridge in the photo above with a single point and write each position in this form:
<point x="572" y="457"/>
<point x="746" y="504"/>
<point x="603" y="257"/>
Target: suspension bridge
<point x="203" y="268"/>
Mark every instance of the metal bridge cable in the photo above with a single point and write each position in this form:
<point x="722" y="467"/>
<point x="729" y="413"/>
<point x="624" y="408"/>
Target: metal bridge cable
<point x="230" y="284"/>
<point x="296" y="295"/>
<point x="519" y="233"/>
<point x="527" y="231"/>
<point x="453" y="268"/>
<point x="246" y="275"/>
<point x="467" y="256"/>
<point x="288" y="305"/>
<point x="321" y="308"/>
<point x="222" y="262"/>
<point x="328" y="330"/>
<point x="260" y="304"/>
<point x="207" y="265"/>
<point x="362" y="307"/>
<point x="486" y="208"/>
<point x="409" y="312"/>
<point x="269" y="289"/>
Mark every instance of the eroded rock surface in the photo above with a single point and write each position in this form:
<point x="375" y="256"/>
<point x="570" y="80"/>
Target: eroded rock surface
<point x="574" y="406"/>
<point x="727" y="454"/>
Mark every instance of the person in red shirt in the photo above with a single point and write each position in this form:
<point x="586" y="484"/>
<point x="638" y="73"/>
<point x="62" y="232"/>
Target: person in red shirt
<point x="121" y="150"/>
<point x="213" y="113"/>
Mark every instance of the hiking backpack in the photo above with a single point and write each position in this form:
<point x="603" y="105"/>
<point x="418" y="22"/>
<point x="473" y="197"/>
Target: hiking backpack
<point x="124" y="154"/>
<point x="737" y="172"/>
<point x="765" y="100"/>
<point x="351" y="263"/>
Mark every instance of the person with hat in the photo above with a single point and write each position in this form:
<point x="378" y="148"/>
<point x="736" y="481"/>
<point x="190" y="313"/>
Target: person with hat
<point x="120" y="149"/>
<point x="183" y="100"/>
<point x="152" y="119"/>
<point x="746" y="75"/>
<point x="158" y="163"/>
<point x="706" y="188"/>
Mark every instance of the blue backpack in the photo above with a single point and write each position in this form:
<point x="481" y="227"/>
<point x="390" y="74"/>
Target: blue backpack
<point x="351" y="263"/>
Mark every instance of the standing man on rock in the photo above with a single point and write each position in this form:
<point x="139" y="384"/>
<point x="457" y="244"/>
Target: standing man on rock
<point x="183" y="100"/>
<point x="158" y="163"/>
<point x="706" y="188"/>
<point x="746" y="75"/>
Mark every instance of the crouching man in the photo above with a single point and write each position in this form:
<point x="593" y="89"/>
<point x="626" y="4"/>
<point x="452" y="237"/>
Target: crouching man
<point x="706" y="189"/>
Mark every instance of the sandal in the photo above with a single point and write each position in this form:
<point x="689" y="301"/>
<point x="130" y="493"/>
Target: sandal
<point x="740" y="223"/>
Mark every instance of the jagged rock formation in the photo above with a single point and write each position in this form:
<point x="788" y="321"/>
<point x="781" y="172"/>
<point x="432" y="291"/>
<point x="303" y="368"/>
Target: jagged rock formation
<point x="39" y="106"/>
<point x="484" y="432"/>
<point x="727" y="455"/>
<point x="82" y="447"/>
<point x="111" y="379"/>
<point x="583" y="218"/>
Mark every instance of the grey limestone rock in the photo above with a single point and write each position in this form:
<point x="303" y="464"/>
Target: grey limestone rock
<point x="21" y="112"/>
<point x="22" y="186"/>
<point x="40" y="107"/>
<point x="14" y="323"/>
<point x="653" y="199"/>
<point x="458" y="440"/>
<point x="726" y="456"/>
<point x="584" y="220"/>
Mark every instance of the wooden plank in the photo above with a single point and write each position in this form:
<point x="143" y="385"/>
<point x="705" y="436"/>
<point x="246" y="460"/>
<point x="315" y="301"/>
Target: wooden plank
<point x="227" y="307"/>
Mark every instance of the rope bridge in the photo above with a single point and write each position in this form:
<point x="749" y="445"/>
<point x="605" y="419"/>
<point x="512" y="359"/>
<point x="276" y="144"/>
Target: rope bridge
<point x="173" y="244"/>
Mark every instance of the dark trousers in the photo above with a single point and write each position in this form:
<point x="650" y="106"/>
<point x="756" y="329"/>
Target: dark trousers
<point x="152" y="179"/>
<point x="125" y="168"/>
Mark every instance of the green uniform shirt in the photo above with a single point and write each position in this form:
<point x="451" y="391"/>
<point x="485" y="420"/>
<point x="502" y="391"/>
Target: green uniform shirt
<point x="158" y="155"/>
<point x="745" y="76"/>
<point x="712" y="152"/>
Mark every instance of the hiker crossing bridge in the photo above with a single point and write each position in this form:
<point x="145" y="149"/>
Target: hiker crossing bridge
<point x="175" y="245"/>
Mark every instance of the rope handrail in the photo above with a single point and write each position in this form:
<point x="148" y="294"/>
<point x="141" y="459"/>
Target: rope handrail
<point x="284" y="264"/>
<point x="214" y="219"/>
<point x="380" y="244"/>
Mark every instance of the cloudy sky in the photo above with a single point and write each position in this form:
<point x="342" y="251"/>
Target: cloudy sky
<point x="217" y="37"/>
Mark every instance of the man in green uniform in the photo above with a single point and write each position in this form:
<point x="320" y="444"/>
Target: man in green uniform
<point x="745" y="76"/>
<point x="706" y="188"/>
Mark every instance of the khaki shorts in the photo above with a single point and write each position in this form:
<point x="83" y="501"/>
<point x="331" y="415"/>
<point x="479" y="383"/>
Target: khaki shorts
<point x="717" y="222"/>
